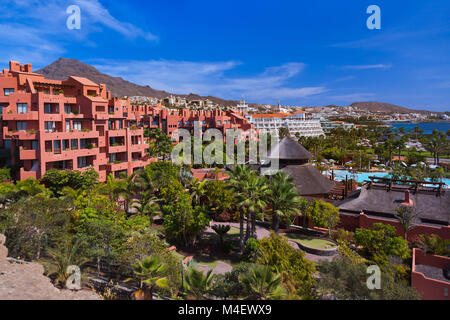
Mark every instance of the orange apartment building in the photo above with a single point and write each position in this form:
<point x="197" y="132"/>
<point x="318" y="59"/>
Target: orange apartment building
<point x="71" y="124"/>
<point x="75" y="124"/>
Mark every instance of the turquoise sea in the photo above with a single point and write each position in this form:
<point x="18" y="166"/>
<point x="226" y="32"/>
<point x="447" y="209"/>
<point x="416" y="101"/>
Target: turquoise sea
<point x="427" y="127"/>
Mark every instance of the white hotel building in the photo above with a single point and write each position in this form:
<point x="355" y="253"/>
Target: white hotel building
<point x="297" y="122"/>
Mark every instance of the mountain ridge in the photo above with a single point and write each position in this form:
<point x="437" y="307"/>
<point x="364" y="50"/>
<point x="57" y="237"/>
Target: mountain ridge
<point x="62" y="68"/>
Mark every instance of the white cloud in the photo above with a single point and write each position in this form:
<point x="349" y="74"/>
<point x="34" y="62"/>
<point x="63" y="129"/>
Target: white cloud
<point x="368" y="66"/>
<point x="210" y="78"/>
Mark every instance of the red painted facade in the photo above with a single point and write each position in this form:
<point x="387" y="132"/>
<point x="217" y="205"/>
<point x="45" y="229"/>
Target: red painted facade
<point x="353" y="221"/>
<point x="75" y="124"/>
<point x="429" y="288"/>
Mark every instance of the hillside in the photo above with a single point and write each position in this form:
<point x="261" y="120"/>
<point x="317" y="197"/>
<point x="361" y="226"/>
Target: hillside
<point x="374" y="106"/>
<point x="63" y="68"/>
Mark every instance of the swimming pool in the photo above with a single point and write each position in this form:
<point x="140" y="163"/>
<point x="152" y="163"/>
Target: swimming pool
<point x="339" y="175"/>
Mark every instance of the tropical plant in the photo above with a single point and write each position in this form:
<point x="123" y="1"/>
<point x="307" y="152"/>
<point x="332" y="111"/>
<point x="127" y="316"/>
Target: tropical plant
<point x="221" y="230"/>
<point x="67" y="253"/>
<point x="407" y="216"/>
<point x="262" y="283"/>
<point x="149" y="272"/>
<point x="282" y="198"/>
<point x="197" y="284"/>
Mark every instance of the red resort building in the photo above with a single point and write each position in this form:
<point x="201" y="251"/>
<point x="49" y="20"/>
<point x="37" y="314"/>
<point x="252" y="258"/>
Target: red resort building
<point x="75" y="124"/>
<point x="71" y="124"/>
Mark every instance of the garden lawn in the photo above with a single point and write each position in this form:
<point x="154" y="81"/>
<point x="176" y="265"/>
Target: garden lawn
<point x="311" y="242"/>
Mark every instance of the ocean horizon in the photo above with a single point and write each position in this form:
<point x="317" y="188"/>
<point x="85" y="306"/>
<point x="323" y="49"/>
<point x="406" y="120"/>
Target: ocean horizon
<point x="427" y="127"/>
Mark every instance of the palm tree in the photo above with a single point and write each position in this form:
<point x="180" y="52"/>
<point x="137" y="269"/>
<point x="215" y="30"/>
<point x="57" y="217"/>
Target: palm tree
<point x="146" y="205"/>
<point x="389" y="146"/>
<point x="197" y="284"/>
<point x="238" y="175"/>
<point x="283" y="198"/>
<point x="62" y="257"/>
<point x="221" y="230"/>
<point x="436" y="145"/>
<point x="254" y="193"/>
<point x="149" y="271"/>
<point x="407" y="217"/>
<point x="262" y="283"/>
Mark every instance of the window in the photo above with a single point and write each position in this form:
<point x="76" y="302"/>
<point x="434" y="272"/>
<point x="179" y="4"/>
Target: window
<point x="82" y="162"/>
<point x="112" y="157"/>
<point x="219" y="122"/>
<point x="47" y="108"/>
<point x="74" y="143"/>
<point x="8" y="91"/>
<point x="67" y="126"/>
<point x="50" y="126"/>
<point x="34" y="145"/>
<point x="77" y="125"/>
<point x="67" y="109"/>
<point x="57" y="146"/>
<point x="1" y="108"/>
<point x="21" y="125"/>
<point x="22" y="108"/>
<point x="82" y="143"/>
<point x="65" y="145"/>
<point x="120" y="124"/>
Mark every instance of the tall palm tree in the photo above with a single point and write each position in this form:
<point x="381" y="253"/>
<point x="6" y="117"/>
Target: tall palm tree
<point x="149" y="271"/>
<point x="197" y="284"/>
<point x="407" y="217"/>
<point x="238" y="175"/>
<point x="283" y="198"/>
<point x="262" y="283"/>
<point x="254" y="194"/>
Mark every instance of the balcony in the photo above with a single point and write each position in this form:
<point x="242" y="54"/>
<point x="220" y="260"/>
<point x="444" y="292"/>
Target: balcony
<point x="111" y="167"/>
<point x="52" y="117"/>
<point x="28" y="154"/>
<point x="20" y="135"/>
<point x="27" y="174"/>
<point x="117" y="133"/>
<point x="9" y="114"/>
<point x="138" y="147"/>
<point x="101" y="116"/>
<point x="74" y="134"/>
<point x="117" y="148"/>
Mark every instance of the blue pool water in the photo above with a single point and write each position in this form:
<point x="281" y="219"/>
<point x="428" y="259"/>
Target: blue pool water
<point x="339" y="175"/>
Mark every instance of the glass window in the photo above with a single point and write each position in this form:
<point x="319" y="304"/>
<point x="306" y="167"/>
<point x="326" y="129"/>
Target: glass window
<point x="82" y="143"/>
<point x="22" y="108"/>
<point x="67" y="109"/>
<point x="82" y="162"/>
<point x="77" y="125"/>
<point x="74" y="143"/>
<point x="47" y="108"/>
<point x="35" y="145"/>
<point x="7" y="91"/>
<point x="65" y="145"/>
<point x="57" y="146"/>
<point x="1" y="108"/>
<point x="21" y="125"/>
<point x="67" y="126"/>
<point x="112" y="157"/>
<point x="49" y="126"/>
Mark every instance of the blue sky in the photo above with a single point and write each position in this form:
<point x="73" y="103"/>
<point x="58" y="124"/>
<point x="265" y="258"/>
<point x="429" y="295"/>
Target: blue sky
<point x="301" y="53"/>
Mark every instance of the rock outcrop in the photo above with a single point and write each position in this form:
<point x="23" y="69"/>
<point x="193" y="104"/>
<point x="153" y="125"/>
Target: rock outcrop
<point x="20" y="280"/>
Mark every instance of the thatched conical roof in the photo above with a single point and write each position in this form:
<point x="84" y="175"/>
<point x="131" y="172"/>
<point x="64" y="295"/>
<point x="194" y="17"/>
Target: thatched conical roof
<point x="308" y="180"/>
<point x="289" y="149"/>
